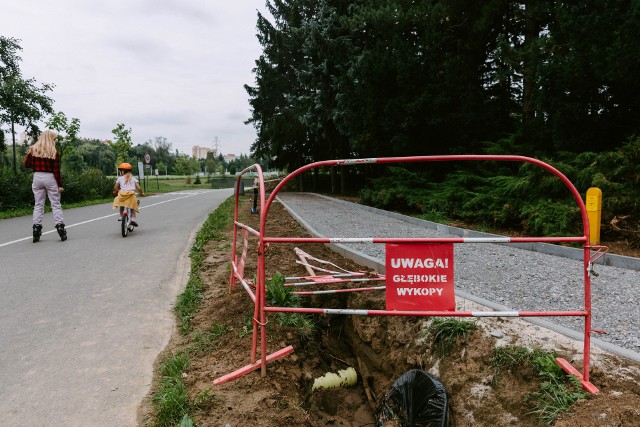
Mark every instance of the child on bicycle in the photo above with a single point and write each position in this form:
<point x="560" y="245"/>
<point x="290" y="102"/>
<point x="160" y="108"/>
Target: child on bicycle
<point x="125" y="187"/>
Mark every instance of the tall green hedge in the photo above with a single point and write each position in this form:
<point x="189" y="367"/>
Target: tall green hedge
<point x="15" y="191"/>
<point x="520" y="196"/>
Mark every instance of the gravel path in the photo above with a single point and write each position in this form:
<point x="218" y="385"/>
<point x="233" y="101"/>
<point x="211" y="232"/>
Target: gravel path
<point x="515" y="278"/>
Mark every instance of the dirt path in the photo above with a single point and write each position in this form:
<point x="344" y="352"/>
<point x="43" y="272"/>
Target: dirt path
<point x="379" y="348"/>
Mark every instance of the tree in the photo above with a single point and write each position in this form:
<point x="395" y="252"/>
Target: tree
<point x="276" y="112"/>
<point x="163" y="153"/>
<point x="161" y="167"/>
<point x="123" y="143"/>
<point x="185" y="165"/>
<point x="210" y="163"/>
<point x="22" y="101"/>
<point x="67" y="131"/>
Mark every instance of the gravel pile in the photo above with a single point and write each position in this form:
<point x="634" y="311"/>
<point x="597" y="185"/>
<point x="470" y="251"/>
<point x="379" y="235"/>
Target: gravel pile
<point x="514" y="278"/>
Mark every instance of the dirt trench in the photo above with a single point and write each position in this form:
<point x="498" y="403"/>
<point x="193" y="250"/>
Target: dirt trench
<point x="379" y="348"/>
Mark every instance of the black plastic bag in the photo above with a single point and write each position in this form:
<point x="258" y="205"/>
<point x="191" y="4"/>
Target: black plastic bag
<point x="416" y="399"/>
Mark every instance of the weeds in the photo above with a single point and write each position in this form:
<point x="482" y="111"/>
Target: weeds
<point x="209" y="341"/>
<point x="212" y="229"/>
<point x="280" y="295"/>
<point x="558" y="391"/>
<point x="510" y="357"/>
<point x="188" y="302"/>
<point x="171" y="400"/>
<point x="447" y="331"/>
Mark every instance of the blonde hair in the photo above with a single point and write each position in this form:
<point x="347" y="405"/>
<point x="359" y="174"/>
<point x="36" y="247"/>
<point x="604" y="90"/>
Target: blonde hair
<point x="46" y="145"/>
<point x="127" y="177"/>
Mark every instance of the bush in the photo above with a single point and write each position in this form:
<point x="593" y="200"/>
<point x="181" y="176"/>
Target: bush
<point x="87" y="185"/>
<point x="526" y="197"/>
<point x="15" y="192"/>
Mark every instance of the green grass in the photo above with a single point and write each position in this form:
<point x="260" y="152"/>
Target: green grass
<point x="558" y="390"/>
<point x="446" y="331"/>
<point x="171" y="400"/>
<point x="279" y="295"/>
<point x="162" y="185"/>
<point x="209" y="340"/>
<point x="212" y="229"/>
<point x="167" y="186"/>
<point x="13" y="213"/>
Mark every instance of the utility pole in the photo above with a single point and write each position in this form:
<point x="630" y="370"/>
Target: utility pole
<point x="216" y="145"/>
<point x="13" y="136"/>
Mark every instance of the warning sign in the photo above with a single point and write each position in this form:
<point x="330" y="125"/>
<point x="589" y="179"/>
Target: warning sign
<point x="420" y="277"/>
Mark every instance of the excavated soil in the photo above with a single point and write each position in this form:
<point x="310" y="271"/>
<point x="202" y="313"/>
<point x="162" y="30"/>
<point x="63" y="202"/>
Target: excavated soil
<point x="379" y="348"/>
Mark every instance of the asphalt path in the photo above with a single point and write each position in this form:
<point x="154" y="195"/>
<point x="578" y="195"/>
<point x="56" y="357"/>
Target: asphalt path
<point x="82" y="321"/>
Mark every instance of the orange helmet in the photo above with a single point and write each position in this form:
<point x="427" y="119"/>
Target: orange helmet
<point x="125" y="166"/>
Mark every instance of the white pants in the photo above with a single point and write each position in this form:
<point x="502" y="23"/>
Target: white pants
<point x="44" y="185"/>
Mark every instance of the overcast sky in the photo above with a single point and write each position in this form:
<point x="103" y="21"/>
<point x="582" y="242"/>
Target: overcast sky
<point x="171" y="68"/>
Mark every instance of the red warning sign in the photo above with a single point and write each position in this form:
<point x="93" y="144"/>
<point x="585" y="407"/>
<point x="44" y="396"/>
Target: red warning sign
<point x="420" y="277"/>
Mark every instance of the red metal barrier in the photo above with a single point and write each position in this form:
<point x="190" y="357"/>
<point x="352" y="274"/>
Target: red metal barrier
<point x="260" y="307"/>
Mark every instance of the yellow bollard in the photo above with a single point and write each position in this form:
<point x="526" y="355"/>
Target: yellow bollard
<point x="594" y="211"/>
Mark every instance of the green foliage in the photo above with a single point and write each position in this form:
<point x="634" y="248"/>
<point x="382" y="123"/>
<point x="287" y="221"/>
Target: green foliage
<point x="523" y="197"/>
<point x="122" y="143"/>
<point x="189" y="301"/>
<point x="67" y="133"/>
<point x="340" y="79"/>
<point x="447" y="331"/>
<point x="548" y="218"/>
<point x="213" y="228"/>
<point x="87" y="185"/>
<point x="15" y="191"/>
<point x="558" y="390"/>
<point x="186" y="421"/>
<point x="22" y="101"/>
<point x="280" y="295"/>
<point x="185" y="165"/>
<point x="171" y="400"/>
<point x="209" y="340"/>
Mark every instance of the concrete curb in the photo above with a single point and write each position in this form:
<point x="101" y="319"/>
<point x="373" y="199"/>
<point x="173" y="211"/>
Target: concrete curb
<point x="373" y="263"/>
<point x="620" y="261"/>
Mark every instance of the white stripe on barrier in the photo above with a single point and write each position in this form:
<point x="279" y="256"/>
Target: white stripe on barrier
<point x="486" y="239"/>
<point x="338" y="280"/>
<point x="346" y="311"/>
<point x="337" y="291"/>
<point x="495" y="314"/>
<point x="351" y="240"/>
<point x="356" y="161"/>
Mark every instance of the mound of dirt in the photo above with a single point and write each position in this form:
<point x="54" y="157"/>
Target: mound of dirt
<point x="379" y="348"/>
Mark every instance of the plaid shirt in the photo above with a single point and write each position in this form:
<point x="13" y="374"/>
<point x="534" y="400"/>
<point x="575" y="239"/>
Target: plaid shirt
<point x="41" y="164"/>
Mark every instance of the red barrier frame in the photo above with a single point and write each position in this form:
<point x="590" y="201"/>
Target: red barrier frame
<point x="260" y="307"/>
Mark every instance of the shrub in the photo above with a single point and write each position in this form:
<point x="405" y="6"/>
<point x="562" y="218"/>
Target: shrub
<point x="15" y="192"/>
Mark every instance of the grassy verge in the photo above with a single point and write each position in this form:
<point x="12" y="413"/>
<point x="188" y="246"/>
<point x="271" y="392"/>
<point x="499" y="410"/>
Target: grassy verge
<point x="171" y="400"/>
<point x="558" y="390"/>
<point x="153" y="186"/>
<point x="12" y="213"/>
<point x="447" y="331"/>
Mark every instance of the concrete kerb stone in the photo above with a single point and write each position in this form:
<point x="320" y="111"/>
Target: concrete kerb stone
<point x="375" y="264"/>
<point x="612" y="260"/>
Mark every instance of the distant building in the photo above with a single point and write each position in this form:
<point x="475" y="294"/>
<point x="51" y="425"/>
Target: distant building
<point x="229" y="157"/>
<point x="201" y="152"/>
<point x="101" y="141"/>
<point x="24" y="137"/>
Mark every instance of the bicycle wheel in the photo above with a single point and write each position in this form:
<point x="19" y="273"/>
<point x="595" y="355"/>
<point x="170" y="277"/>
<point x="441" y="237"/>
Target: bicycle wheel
<point x="125" y="223"/>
